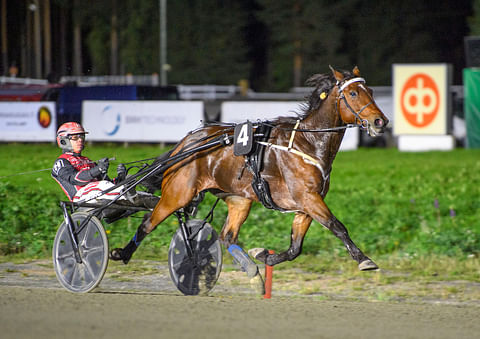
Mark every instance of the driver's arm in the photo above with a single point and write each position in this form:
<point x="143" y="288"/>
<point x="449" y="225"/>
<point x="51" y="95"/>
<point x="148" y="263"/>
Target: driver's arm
<point x="65" y="172"/>
<point x="98" y="172"/>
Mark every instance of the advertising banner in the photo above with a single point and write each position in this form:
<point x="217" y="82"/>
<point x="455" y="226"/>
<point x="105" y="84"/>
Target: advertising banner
<point x="421" y="101"/>
<point x="27" y="121"/>
<point x="239" y="111"/>
<point x="140" y="121"/>
<point x="471" y="107"/>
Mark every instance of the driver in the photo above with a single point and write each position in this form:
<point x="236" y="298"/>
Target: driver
<point x="82" y="179"/>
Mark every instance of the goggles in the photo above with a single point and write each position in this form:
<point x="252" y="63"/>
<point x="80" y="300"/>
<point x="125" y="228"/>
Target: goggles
<point x="76" y="137"/>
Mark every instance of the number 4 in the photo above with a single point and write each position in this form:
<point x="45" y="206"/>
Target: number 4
<point x="243" y="135"/>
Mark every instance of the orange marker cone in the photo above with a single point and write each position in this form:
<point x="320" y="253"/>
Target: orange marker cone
<point x="268" y="279"/>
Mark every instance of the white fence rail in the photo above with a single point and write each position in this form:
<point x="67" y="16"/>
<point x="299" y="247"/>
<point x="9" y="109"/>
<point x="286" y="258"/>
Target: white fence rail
<point x="22" y="81"/>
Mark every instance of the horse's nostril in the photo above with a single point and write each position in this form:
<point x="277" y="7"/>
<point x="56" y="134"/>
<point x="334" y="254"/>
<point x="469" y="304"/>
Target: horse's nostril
<point x="379" y="123"/>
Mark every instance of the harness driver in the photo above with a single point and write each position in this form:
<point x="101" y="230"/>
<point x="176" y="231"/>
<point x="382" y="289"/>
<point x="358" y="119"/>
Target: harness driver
<point x="84" y="180"/>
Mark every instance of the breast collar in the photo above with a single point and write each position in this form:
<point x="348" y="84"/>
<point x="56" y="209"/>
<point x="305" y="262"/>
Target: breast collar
<point x="306" y="158"/>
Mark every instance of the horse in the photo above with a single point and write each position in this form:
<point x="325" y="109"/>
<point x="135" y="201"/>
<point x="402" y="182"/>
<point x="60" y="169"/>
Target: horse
<point x="297" y="162"/>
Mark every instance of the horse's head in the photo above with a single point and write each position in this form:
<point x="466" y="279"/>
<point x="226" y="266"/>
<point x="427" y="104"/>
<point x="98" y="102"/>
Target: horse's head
<point x="355" y="104"/>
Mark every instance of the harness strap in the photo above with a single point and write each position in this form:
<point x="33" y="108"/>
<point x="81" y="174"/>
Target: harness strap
<point x="307" y="158"/>
<point x="290" y="143"/>
<point x="254" y="162"/>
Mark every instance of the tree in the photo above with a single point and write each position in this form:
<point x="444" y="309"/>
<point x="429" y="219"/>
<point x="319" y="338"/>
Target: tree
<point x="98" y="37"/>
<point x="380" y="36"/>
<point x="3" y="38"/>
<point x="276" y="44"/>
<point x="304" y="37"/>
<point x="474" y="20"/>
<point x="139" y="36"/>
<point x="206" y="42"/>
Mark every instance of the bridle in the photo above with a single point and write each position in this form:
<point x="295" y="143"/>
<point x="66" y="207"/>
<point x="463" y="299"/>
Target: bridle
<point x="359" y="121"/>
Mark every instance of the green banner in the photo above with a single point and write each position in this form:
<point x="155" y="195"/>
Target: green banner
<point x="471" y="106"/>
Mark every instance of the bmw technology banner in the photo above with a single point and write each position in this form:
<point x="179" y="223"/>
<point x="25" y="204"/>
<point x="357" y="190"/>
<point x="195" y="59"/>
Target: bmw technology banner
<point x="140" y="121"/>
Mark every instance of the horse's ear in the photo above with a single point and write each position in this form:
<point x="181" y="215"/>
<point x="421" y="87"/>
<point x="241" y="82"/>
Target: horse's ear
<point x="336" y="74"/>
<point x="356" y="71"/>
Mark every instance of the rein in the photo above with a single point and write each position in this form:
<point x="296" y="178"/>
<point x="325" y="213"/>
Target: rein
<point x="323" y="130"/>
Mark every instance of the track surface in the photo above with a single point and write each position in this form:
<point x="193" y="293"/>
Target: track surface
<point x="32" y="305"/>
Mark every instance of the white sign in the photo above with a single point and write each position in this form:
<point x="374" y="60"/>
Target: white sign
<point x="27" y="121"/>
<point x="240" y="111"/>
<point x="423" y="143"/>
<point x="140" y="121"/>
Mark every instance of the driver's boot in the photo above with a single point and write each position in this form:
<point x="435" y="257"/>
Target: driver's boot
<point x="142" y="199"/>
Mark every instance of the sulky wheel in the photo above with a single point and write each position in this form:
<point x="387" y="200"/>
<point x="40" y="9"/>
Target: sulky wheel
<point x="93" y="248"/>
<point x="196" y="273"/>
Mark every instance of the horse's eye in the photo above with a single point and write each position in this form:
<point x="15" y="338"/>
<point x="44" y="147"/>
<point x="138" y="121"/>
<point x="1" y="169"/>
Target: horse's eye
<point x="353" y="94"/>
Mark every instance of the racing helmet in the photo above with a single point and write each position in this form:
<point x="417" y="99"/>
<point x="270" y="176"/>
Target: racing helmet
<point x="65" y="131"/>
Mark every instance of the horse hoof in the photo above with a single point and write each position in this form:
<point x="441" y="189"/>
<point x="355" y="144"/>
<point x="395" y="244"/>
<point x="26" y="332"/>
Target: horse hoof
<point x="257" y="284"/>
<point x="258" y="253"/>
<point x="367" y="265"/>
<point x="117" y="254"/>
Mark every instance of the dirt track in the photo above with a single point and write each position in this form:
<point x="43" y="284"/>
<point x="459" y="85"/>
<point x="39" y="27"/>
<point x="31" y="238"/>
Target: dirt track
<point x="32" y="305"/>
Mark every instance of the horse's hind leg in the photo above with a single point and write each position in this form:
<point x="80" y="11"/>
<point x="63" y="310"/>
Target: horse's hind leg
<point x="238" y="210"/>
<point x="300" y="226"/>
<point x="175" y="195"/>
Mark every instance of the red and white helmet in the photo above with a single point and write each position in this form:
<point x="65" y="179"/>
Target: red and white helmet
<point x="65" y="131"/>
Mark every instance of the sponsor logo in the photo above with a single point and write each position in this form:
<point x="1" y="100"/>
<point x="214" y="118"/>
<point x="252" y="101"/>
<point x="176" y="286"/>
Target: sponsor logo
<point x="44" y="117"/>
<point x="111" y="121"/>
<point x="420" y="100"/>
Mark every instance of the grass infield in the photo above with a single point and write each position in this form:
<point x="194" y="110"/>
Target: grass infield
<point x="399" y="208"/>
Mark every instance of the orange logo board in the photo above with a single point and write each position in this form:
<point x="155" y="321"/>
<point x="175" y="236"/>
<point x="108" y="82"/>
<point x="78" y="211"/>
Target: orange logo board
<point x="420" y="99"/>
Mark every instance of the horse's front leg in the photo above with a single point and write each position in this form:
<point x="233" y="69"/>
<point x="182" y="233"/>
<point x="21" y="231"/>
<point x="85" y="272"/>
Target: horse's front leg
<point x="321" y="213"/>
<point x="300" y="226"/>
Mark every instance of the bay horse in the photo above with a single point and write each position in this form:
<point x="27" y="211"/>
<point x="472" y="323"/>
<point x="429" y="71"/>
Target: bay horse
<point x="298" y="158"/>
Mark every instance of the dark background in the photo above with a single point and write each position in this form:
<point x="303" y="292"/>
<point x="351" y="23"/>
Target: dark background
<point x="274" y="44"/>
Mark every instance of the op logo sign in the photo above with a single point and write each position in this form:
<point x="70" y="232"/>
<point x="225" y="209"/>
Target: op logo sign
<point x="420" y="99"/>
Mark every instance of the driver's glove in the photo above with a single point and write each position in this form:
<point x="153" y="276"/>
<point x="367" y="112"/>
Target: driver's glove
<point x="121" y="172"/>
<point x="103" y="165"/>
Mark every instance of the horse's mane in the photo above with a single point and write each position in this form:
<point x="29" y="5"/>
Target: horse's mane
<point x="321" y="83"/>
